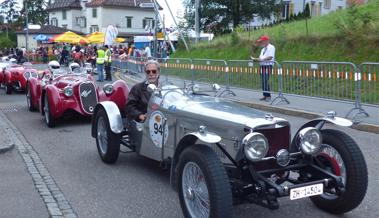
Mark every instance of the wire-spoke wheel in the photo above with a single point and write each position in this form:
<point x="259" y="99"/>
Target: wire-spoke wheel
<point x="341" y="156"/>
<point x="203" y="185"/>
<point x="108" y="143"/>
<point x="29" y="100"/>
<point x="49" y="119"/>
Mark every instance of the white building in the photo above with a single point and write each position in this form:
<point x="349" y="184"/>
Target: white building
<point x="131" y="17"/>
<point x="293" y="7"/>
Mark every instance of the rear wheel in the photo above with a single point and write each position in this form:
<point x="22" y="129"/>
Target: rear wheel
<point x="342" y="156"/>
<point x="107" y="142"/>
<point x="203" y="185"/>
<point x="29" y="99"/>
<point x="49" y="119"/>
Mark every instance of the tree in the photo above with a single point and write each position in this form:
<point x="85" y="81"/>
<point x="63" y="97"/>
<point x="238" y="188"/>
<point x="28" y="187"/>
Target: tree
<point x="222" y="13"/>
<point x="9" y="9"/>
<point x="37" y="13"/>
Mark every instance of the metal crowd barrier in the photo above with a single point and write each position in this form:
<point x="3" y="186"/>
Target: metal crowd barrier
<point x="248" y="74"/>
<point x="369" y="90"/>
<point x="338" y="81"/>
<point x="178" y="68"/>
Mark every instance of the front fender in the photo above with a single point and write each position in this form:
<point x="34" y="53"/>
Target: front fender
<point x="114" y="117"/>
<point x="319" y="123"/>
<point x="54" y="100"/>
<point x="7" y="78"/>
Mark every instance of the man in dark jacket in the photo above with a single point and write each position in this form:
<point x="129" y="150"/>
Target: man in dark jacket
<point x="139" y="97"/>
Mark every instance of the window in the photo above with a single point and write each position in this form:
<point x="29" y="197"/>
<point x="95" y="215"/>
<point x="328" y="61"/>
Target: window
<point x="64" y="15"/>
<point x="81" y="22"/>
<point x="148" y="23"/>
<point x="94" y="12"/>
<point x="129" y="22"/>
<point x="285" y="10"/>
<point x="327" y="4"/>
<point x="54" y="21"/>
<point x="64" y="26"/>
<point x="94" y="28"/>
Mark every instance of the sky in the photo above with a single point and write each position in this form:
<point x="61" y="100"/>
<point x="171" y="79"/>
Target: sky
<point x="175" y="5"/>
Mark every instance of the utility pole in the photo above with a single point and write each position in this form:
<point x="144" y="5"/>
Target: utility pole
<point x="197" y="20"/>
<point x="27" y="30"/>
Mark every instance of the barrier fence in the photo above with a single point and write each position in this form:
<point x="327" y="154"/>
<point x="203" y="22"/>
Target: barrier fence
<point x="338" y="81"/>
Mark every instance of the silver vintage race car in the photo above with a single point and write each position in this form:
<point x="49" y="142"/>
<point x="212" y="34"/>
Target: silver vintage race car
<point x="221" y="153"/>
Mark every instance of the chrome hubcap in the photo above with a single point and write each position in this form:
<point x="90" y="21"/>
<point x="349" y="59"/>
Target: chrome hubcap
<point x="102" y="137"/>
<point x="195" y="191"/>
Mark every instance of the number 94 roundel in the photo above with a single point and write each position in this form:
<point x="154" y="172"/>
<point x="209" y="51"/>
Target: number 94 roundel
<point x="157" y="122"/>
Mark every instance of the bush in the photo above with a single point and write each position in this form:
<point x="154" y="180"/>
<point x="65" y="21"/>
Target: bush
<point x="354" y="24"/>
<point x="6" y="43"/>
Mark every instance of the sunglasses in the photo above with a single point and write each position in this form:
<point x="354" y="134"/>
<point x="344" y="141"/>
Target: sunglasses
<point x="151" y="71"/>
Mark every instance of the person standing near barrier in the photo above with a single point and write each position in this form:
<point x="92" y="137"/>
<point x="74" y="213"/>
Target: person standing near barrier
<point x="100" y="59"/>
<point x="108" y="62"/>
<point x="266" y="61"/>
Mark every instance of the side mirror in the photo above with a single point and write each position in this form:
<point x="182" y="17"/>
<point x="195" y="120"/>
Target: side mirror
<point x="152" y="88"/>
<point x="215" y="87"/>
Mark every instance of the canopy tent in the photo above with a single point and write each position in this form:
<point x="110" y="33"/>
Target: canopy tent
<point x="42" y="37"/>
<point x="99" y="37"/>
<point x="69" y="37"/>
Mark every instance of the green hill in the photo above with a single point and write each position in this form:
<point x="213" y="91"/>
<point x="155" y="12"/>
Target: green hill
<point x="346" y="35"/>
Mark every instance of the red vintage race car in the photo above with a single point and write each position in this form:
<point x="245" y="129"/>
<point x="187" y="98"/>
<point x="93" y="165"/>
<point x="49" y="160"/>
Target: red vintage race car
<point x="62" y="92"/>
<point x="14" y="77"/>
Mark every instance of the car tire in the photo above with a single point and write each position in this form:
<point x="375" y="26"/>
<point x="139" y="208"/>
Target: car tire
<point x="212" y="189"/>
<point x="49" y="119"/>
<point x="107" y="142"/>
<point x="8" y="89"/>
<point x="353" y="170"/>
<point x="29" y="99"/>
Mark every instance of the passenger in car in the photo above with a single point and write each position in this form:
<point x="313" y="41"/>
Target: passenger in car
<point x="139" y="96"/>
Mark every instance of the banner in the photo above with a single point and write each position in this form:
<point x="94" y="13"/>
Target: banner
<point x="110" y="35"/>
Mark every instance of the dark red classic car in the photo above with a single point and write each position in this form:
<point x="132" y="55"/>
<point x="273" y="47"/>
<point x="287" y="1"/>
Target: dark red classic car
<point x="14" y="77"/>
<point x="62" y="92"/>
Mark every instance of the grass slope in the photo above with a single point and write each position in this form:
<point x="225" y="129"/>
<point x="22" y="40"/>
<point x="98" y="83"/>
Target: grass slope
<point x="352" y="42"/>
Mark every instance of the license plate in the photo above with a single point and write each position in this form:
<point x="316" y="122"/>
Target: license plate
<point x="306" y="191"/>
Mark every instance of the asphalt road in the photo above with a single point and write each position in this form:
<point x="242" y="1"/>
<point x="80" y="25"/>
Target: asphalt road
<point x="134" y="186"/>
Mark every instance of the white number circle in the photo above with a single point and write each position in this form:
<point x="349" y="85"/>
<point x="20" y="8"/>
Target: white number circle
<point x="156" y="123"/>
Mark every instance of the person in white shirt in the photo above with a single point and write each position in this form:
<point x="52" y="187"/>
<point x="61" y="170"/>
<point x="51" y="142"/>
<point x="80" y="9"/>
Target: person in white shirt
<point x="147" y="52"/>
<point x="266" y="61"/>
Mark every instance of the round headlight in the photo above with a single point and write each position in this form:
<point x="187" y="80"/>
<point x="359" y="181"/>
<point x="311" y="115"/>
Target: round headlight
<point x="27" y="75"/>
<point x="310" y="140"/>
<point x="68" y="91"/>
<point x="255" y="146"/>
<point x="108" y="89"/>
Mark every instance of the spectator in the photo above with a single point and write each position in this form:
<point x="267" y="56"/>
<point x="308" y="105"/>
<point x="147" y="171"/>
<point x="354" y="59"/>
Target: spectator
<point x="100" y="59"/>
<point x="147" y="52"/>
<point x="64" y="56"/>
<point x="266" y="61"/>
<point x="107" y="63"/>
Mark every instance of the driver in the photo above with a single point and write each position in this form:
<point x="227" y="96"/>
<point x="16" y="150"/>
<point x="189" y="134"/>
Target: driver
<point x="54" y="65"/>
<point x="74" y="66"/>
<point x="136" y="107"/>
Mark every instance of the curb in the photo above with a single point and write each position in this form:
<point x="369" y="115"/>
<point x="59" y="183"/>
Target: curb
<point x="365" y="127"/>
<point x="4" y="149"/>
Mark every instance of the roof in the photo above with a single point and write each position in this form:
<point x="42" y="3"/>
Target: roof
<point x="64" y="4"/>
<point x="47" y="29"/>
<point x="120" y="3"/>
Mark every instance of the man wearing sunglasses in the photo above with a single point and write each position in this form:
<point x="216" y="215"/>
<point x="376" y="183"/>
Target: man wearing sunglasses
<point x="136" y="107"/>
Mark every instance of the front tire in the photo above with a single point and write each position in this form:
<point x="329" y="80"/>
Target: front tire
<point x="8" y="89"/>
<point x="49" y="119"/>
<point x="107" y="142"/>
<point x="203" y="185"/>
<point x="29" y="99"/>
<point x="342" y="156"/>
